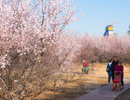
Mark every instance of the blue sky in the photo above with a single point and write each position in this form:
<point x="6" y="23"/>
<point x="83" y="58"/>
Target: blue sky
<point x="100" y="13"/>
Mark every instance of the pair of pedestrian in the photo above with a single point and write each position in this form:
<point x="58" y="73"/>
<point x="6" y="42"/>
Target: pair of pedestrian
<point x="115" y="66"/>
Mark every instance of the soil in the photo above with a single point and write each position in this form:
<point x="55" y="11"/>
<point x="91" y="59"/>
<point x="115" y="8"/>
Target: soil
<point x="124" y="96"/>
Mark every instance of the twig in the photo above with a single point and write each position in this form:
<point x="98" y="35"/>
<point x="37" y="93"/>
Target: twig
<point x="3" y="83"/>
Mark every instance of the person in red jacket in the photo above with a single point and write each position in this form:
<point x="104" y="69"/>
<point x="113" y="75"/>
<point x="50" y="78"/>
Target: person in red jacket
<point x="119" y="69"/>
<point x="85" y="65"/>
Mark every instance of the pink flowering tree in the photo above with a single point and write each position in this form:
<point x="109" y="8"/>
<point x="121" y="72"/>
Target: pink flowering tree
<point x="34" y="46"/>
<point x="102" y="49"/>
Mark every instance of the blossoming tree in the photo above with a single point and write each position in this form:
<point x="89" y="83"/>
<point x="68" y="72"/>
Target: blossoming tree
<point x="34" y="46"/>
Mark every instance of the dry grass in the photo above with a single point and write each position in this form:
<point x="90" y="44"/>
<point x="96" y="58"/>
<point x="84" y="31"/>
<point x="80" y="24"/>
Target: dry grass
<point x="74" y="89"/>
<point x="100" y="69"/>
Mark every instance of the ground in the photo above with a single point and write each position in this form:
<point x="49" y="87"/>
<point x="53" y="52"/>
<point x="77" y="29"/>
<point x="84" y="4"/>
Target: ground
<point x="80" y="87"/>
<point x="73" y="90"/>
<point x="84" y="85"/>
<point x="124" y="96"/>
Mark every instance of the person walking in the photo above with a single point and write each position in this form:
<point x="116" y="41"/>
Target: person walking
<point x="114" y="63"/>
<point x="109" y="71"/>
<point x="120" y="69"/>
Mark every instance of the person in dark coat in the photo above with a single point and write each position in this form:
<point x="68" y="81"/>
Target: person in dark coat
<point x="114" y="63"/>
<point x="109" y="71"/>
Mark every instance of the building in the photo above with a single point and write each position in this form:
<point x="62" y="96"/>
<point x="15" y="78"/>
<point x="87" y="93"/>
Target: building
<point x="109" y="31"/>
<point x="115" y="35"/>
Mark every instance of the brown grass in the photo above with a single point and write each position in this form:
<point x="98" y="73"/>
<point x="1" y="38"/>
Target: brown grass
<point x="100" y="69"/>
<point x="73" y="90"/>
